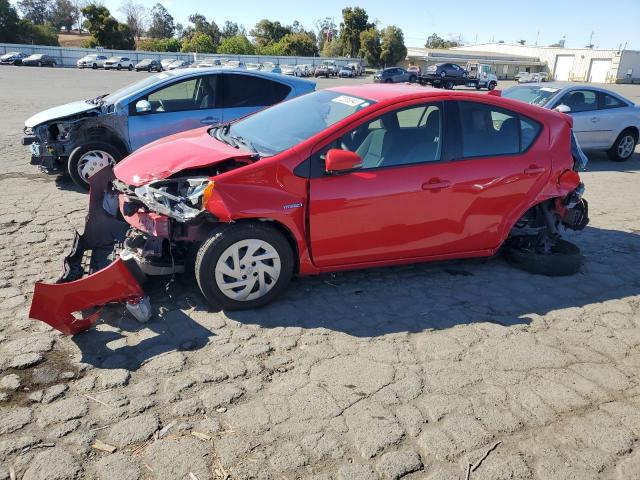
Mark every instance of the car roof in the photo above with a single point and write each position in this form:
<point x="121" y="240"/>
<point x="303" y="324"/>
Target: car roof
<point x="243" y="71"/>
<point x="564" y="88"/>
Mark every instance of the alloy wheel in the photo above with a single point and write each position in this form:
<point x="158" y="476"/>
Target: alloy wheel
<point x="92" y="162"/>
<point x="247" y="269"/>
<point x="626" y="146"/>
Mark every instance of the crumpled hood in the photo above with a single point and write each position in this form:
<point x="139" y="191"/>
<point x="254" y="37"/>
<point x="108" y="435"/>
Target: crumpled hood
<point x="59" y="112"/>
<point x="170" y="155"/>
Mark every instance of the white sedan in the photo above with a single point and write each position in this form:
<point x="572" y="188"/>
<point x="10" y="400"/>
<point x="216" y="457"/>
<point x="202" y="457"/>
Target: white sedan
<point x="602" y="119"/>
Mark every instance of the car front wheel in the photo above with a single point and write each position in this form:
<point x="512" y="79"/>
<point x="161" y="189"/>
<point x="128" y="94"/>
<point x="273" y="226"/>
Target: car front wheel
<point x="491" y="85"/>
<point x="244" y="266"/>
<point x="86" y="160"/>
<point x="623" y="147"/>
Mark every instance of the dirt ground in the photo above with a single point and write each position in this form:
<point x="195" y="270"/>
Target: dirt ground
<point x="412" y="372"/>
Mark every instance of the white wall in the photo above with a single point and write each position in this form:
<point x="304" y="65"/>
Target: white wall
<point x="582" y="56"/>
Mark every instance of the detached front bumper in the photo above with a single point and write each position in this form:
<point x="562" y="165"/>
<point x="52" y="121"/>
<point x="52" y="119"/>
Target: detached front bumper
<point x="85" y="283"/>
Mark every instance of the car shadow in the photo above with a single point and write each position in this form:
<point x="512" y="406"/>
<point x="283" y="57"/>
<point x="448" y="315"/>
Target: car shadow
<point x="375" y="302"/>
<point x="600" y="162"/>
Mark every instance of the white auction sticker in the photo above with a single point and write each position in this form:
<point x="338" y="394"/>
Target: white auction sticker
<point x="347" y="100"/>
<point x="549" y="89"/>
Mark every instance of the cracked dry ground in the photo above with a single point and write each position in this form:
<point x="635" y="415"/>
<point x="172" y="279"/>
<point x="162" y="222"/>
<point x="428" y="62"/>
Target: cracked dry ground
<point x="410" y="372"/>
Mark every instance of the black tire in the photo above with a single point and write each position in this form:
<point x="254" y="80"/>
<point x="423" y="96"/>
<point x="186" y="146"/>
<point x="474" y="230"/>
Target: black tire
<point x="478" y="86"/>
<point x="491" y="85"/>
<point x="626" y="136"/>
<point x="78" y="152"/>
<point x="119" y="67"/>
<point x="388" y="80"/>
<point x="564" y="259"/>
<point x="130" y="67"/>
<point x="94" y="66"/>
<point x="448" y="85"/>
<point x="214" y="247"/>
<point x="39" y="64"/>
<point x="412" y="79"/>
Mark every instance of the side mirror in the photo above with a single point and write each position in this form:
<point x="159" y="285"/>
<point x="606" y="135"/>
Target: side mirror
<point x="338" y="161"/>
<point x="143" y="106"/>
<point x="562" y="108"/>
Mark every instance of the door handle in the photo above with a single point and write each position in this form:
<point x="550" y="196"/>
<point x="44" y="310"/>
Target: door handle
<point x="436" y="184"/>
<point x="534" y="170"/>
<point x="595" y="119"/>
<point x="209" y="120"/>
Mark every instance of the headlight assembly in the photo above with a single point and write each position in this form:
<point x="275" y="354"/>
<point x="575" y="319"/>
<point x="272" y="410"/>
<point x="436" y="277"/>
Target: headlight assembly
<point x="180" y="199"/>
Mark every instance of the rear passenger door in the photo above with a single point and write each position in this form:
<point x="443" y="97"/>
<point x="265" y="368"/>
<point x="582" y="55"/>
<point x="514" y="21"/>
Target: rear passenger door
<point x="243" y="94"/>
<point x="183" y="105"/>
<point x="587" y="122"/>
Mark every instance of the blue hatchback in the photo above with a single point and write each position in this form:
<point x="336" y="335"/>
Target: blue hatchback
<point x="85" y="136"/>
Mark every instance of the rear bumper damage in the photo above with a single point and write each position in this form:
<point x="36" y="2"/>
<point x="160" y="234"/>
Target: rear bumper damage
<point x="92" y="278"/>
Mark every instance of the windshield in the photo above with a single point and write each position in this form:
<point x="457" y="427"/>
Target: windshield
<point x="134" y="88"/>
<point x="533" y="94"/>
<point x="286" y="124"/>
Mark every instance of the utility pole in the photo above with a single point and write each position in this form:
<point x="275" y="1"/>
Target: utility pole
<point x="537" y="37"/>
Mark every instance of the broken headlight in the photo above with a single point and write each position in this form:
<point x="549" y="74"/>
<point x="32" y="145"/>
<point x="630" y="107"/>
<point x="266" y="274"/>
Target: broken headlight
<point x="180" y="199"/>
<point x="64" y="130"/>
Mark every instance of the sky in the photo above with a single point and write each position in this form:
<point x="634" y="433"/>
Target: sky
<point x="613" y="23"/>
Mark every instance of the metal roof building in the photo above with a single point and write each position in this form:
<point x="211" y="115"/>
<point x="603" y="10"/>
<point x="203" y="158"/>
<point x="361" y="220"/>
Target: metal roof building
<point x="571" y="64"/>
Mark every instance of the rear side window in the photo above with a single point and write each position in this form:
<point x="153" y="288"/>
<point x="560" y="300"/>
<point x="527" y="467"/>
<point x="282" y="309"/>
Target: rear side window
<point x="609" y="101"/>
<point x="250" y="91"/>
<point x="488" y="131"/>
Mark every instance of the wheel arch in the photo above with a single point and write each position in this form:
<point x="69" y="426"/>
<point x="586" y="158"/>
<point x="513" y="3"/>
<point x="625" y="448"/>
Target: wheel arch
<point x="101" y="133"/>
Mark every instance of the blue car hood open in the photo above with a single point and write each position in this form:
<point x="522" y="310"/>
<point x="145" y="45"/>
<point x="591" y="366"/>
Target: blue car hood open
<point x="59" y="112"/>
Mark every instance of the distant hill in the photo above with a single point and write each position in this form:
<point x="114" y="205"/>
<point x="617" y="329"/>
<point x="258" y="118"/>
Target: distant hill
<point x="72" y="39"/>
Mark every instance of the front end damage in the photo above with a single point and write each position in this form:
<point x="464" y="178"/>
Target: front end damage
<point x="94" y="275"/>
<point x="130" y="233"/>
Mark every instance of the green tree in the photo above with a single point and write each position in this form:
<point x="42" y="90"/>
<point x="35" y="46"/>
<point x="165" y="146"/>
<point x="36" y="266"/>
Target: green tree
<point x="370" y="46"/>
<point x="161" y="24"/>
<point x="9" y="23"/>
<point x="106" y="31"/>
<point x="267" y="32"/>
<point x="63" y="13"/>
<point x="298" y="44"/>
<point x="332" y="49"/>
<point x="435" y="41"/>
<point x="160" y="44"/>
<point x="202" y="25"/>
<point x="37" y="34"/>
<point x="274" y="49"/>
<point x="354" y="21"/>
<point x="232" y="29"/>
<point x="236" y="45"/>
<point x="198" y="42"/>
<point x="392" y="48"/>
<point x="36" y="11"/>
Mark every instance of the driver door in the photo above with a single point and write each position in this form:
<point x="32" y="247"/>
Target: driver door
<point x="183" y="105"/>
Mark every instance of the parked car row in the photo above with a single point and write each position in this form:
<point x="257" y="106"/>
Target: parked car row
<point x="34" y="60"/>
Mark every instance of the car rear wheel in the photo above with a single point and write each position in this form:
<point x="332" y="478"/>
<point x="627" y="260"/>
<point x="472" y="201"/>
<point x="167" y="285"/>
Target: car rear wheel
<point x="563" y="258"/>
<point x="130" y="67"/>
<point x="244" y="266"/>
<point x="448" y="85"/>
<point x="119" y="67"/>
<point x="412" y="79"/>
<point x="623" y="147"/>
<point x="86" y="160"/>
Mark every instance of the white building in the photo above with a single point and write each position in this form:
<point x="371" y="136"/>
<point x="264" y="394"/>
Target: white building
<point x="573" y="64"/>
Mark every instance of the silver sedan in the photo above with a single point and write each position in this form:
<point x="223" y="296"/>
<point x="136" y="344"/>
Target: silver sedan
<point x="602" y="119"/>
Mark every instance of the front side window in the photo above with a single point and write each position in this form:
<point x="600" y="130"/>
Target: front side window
<point x="191" y="94"/>
<point x="402" y="137"/>
<point x="580" y="100"/>
<point x="489" y="131"/>
<point x="250" y="91"/>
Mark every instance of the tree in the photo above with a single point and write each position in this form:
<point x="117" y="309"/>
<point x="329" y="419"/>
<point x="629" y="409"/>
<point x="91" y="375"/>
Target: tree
<point x="392" y="48"/>
<point x="236" y="45"/>
<point x="232" y="29"/>
<point x="9" y="22"/>
<point x="199" y="42"/>
<point x="36" y="11"/>
<point x="354" y="21"/>
<point x="203" y="26"/>
<point x="160" y="44"/>
<point x="63" y="13"/>
<point x="136" y="15"/>
<point x="327" y="31"/>
<point x="37" y="34"/>
<point x="298" y="44"/>
<point x="107" y="31"/>
<point x="161" y="23"/>
<point x="332" y="49"/>
<point x="370" y="46"/>
<point x="435" y="41"/>
<point x="267" y="32"/>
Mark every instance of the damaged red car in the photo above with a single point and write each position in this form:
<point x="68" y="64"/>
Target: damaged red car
<point x="344" y="178"/>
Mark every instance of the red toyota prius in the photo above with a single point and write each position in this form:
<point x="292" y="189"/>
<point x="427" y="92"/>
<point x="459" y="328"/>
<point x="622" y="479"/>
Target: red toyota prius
<point x="344" y="178"/>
